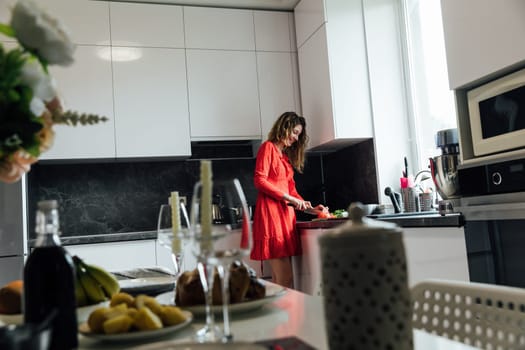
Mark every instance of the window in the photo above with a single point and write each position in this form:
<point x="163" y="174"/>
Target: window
<point x="432" y="102"/>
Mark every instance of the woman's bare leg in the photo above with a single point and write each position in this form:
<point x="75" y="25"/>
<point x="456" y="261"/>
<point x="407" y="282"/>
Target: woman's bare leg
<point x="282" y="272"/>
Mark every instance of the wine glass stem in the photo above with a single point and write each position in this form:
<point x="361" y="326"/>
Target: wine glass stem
<point x="206" y="272"/>
<point x="177" y="262"/>
<point x="224" y="274"/>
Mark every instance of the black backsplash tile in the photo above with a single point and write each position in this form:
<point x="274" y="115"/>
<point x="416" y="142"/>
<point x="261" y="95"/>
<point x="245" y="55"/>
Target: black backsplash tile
<point x="121" y="197"/>
<point x="118" y="197"/>
<point x="350" y="176"/>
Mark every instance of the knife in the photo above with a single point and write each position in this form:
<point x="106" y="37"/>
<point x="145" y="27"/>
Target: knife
<point x="310" y="211"/>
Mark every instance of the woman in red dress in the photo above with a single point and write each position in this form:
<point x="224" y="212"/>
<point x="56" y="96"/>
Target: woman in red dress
<point x="274" y="234"/>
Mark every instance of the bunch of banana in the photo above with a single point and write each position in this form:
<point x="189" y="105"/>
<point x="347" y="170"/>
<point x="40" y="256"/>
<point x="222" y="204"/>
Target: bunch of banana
<point x="93" y="283"/>
<point x="127" y="314"/>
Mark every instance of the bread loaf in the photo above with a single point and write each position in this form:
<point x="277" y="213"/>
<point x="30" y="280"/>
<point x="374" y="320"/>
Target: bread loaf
<point x="243" y="286"/>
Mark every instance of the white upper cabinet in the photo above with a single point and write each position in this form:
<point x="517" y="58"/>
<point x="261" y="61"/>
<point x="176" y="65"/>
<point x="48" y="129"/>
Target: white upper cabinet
<point x="272" y="31"/>
<point x="334" y="71"/>
<point x="214" y="28"/>
<point x="232" y="89"/>
<point x="165" y="75"/>
<point x="146" y="25"/>
<point x="86" y="87"/>
<point x="276" y="87"/>
<point x="309" y="16"/>
<point x="276" y="66"/>
<point x="482" y="38"/>
<point x="224" y="101"/>
<point x="316" y="92"/>
<point x="151" y="104"/>
<point x="291" y="29"/>
<point x="149" y="72"/>
<point x="86" y="21"/>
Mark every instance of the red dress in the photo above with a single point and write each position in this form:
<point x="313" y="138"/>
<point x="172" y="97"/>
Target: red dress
<point x="274" y="233"/>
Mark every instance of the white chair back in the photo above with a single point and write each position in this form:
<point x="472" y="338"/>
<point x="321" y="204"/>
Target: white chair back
<point x="485" y="316"/>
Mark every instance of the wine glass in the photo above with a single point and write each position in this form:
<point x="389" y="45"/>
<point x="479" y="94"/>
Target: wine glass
<point x="172" y="238"/>
<point x="218" y="246"/>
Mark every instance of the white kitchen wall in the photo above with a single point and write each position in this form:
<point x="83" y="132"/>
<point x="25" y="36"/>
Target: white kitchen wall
<point x="388" y="93"/>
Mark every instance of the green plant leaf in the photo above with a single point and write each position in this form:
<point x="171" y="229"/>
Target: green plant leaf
<point x="7" y="30"/>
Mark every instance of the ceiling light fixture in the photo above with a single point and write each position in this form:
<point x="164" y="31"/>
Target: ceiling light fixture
<point x="119" y="54"/>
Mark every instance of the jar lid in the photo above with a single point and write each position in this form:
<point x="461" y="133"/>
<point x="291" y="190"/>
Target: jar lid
<point x="360" y="225"/>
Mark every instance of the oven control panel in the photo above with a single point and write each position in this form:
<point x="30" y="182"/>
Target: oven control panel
<point x="502" y="177"/>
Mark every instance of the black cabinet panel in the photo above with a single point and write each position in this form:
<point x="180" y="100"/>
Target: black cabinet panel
<point x="477" y="237"/>
<point x="495" y="251"/>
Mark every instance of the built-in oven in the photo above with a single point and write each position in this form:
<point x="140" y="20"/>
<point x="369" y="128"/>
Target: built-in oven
<point x="495" y="238"/>
<point x="491" y="175"/>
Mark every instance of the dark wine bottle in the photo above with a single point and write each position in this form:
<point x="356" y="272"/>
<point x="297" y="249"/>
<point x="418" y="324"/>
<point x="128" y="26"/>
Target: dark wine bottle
<point x="49" y="280"/>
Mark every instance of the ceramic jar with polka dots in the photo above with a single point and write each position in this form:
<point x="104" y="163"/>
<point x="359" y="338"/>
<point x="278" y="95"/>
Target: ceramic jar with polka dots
<point x="367" y="301"/>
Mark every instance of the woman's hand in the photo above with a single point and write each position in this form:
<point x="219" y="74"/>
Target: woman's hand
<point x="322" y="208"/>
<point x="298" y="204"/>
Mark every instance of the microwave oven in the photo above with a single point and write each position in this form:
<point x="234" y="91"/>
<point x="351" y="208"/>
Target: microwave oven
<point x="496" y="112"/>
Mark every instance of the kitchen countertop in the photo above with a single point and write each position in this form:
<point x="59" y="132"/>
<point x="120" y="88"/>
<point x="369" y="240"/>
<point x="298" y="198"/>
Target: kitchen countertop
<point x="106" y="238"/>
<point x="420" y="219"/>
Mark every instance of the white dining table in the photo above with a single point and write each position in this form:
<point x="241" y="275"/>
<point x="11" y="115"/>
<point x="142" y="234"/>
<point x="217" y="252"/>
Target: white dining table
<point x="292" y="314"/>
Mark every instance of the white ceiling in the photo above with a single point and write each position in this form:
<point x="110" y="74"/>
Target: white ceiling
<point x="250" y="4"/>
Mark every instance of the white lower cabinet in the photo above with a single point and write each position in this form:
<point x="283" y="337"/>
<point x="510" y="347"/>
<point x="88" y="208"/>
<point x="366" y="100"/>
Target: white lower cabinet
<point x="432" y="252"/>
<point x="436" y="252"/>
<point x="165" y="259"/>
<point x="307" y="267"/>
<point x="117" y="256"/>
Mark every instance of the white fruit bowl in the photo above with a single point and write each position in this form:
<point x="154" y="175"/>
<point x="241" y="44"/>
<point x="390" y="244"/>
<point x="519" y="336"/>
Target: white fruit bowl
<point x="82" y="314"/>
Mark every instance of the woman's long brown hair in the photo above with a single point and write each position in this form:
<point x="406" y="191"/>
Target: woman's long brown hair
<point x="282" y="129"/>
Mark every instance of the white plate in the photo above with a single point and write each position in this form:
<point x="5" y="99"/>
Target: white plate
<point x="82" y="314"/>
<point x="147" y="285"/>
<point x="272" y="292"/>
<point x="137" y="335"/>
<point x="12" y="319"/>
<point x="169" y="345"/>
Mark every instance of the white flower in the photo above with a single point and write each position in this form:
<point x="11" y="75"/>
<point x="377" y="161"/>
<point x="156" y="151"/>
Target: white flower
<point x="37" y="106"/>
<point x="38" y="31"/>
<point x="34" y="76"/>
<point x="41" y="83"/>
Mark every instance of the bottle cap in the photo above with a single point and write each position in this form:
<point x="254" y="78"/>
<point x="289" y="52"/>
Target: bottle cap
<point x="48" y="204"/>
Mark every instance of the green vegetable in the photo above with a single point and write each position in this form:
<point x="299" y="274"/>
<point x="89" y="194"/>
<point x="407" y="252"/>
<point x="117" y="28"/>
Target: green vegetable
<point x="340" y="213"/>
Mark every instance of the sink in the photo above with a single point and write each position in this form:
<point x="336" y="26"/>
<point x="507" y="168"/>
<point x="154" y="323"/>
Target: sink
<point x="399" y="215"/>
